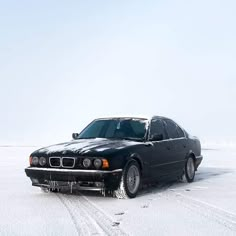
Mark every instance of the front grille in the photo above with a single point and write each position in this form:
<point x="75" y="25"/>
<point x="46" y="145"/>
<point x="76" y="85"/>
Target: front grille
<point x="68" y="162"/>
<point x="65" y="162"/>
<point x="55" y="161"/>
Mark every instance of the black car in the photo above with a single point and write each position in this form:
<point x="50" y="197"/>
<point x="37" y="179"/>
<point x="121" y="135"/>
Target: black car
<point x="117" y="155"/>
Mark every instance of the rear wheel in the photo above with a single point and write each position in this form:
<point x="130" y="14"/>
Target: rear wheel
<point x="130" y="181"/>
<point x="189" y="170"/>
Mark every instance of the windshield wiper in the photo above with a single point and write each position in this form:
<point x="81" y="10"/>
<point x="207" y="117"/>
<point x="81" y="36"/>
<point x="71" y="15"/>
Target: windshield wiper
<point x="116" y="138"/>
<point x="86" y="137"/>
<point x="132" y="138"/>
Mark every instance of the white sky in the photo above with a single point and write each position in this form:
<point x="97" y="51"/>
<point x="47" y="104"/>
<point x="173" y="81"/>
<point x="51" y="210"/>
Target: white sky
<point x="64" y="63"/>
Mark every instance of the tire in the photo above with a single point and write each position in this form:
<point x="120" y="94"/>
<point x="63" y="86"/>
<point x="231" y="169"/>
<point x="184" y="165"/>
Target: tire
<point x="189" y="170"/>
<point x="130" y="181"/>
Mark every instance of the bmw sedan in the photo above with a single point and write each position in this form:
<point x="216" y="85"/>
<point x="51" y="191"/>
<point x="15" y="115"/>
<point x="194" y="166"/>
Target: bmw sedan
<point x="117" y="155"/>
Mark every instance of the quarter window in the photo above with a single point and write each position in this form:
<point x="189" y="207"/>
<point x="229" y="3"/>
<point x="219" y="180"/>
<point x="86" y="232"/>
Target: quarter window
<point x="180" y="132"/>
<point x="171" y="129"/>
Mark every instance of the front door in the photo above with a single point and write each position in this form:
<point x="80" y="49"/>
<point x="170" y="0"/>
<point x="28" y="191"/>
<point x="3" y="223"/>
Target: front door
<point x="161" y="150"/>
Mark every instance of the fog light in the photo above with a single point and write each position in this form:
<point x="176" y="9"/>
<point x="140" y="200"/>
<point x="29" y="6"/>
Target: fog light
<point x="35" y="161"/>
<point x="99" y="184"/>
<point x="42" y="161"/>
<point x="86" y="162"/>
<point x="97" y="163"/>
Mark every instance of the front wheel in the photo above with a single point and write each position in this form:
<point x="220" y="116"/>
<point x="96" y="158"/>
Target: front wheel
<point x="189" y="170"/>
<point x="130" y="181"/>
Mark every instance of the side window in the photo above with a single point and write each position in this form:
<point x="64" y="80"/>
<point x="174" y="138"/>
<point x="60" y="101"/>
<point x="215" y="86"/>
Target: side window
<point x="171" y="129"/>
<point x="180" y="132"/>
<point x="157" y="127"/>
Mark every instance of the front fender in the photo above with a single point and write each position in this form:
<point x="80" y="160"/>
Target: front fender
<point x="137" y="157"/>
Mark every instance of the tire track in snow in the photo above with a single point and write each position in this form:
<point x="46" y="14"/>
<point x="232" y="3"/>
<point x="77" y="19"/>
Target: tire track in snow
<point x="104" y="221"/>
<point x="223" y="217"/>
<point x="71" y="214"/>
<point x="87" y="218"/>
<point x="156" y="188"/>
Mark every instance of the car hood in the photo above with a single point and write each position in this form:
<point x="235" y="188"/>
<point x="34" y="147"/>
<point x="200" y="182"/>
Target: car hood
<point x="97" y="146"/>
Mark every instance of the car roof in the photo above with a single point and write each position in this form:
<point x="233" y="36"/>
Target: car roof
<point x="133" y="117"/>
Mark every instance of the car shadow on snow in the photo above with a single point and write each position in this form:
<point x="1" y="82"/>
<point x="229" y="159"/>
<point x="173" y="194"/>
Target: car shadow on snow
<point x="202" y="175"/>
<point x="210" y="172"/>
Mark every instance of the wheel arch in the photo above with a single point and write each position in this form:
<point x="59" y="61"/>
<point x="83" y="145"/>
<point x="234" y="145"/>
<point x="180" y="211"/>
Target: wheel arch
<point x="191" y="154"/>
<point x="136" y="157"/>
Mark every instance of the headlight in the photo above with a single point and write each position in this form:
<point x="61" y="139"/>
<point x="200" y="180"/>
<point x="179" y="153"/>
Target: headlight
<point x="97" y="163"/>
<point x="86" y="163"/>
<point x="42" y="161"/>
<point x="35" y="161"/>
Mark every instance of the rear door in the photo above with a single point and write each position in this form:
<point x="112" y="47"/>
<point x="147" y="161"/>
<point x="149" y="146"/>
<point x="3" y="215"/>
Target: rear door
<point x="178" y="143"/>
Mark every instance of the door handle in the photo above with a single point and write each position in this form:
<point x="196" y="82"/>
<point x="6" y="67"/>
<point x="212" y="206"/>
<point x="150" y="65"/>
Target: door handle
<point x="168" y="148"/>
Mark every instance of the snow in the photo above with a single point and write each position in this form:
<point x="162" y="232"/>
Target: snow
<point x="84" y="146"/>
<point x="204" y="207"/>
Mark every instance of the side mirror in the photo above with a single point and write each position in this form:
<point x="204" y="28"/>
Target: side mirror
<point x="156" y="137"/>
<point x="75" y="135"/>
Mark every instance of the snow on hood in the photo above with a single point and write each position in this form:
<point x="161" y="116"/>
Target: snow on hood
<point x="84" y="146"/>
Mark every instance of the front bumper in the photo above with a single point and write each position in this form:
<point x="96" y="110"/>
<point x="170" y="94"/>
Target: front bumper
<point x="43" y="176"/>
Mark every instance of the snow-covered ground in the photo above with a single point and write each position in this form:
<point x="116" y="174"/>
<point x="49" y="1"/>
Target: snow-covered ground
<point x="205" y="207"/>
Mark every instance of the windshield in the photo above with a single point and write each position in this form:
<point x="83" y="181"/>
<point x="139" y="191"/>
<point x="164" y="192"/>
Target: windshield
<point x="122" y="128"/>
